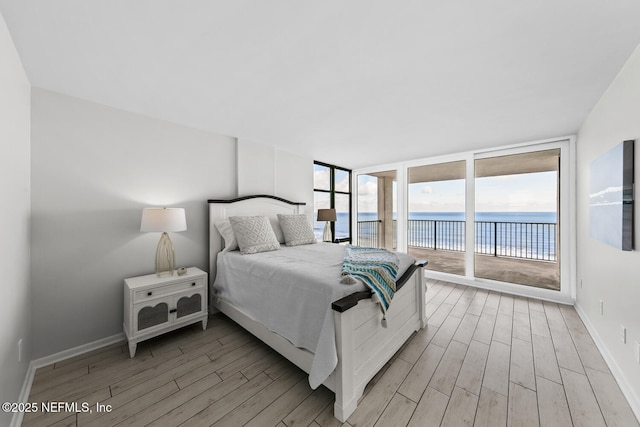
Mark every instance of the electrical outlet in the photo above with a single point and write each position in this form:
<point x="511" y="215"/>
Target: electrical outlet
<point x="623" y="334"/>
<point x="20" y="350"/>
<point x="601" y="307"/>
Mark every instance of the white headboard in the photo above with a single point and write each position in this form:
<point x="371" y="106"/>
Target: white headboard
<point x="261" y="205"/>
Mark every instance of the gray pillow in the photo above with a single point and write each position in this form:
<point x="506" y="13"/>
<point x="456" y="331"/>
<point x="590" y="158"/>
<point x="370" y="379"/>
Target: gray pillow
<point x="297" y="230"/>
<point x="277" y="230"/>
<point x="225" y="230"/>
<point x="254" y="234"/>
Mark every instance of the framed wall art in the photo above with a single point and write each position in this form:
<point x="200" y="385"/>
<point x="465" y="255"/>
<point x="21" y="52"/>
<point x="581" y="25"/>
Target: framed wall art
<point x="611" y="197"/>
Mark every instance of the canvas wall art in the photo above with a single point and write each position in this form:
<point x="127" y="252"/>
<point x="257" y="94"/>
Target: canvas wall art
<point x="611" y="197"/>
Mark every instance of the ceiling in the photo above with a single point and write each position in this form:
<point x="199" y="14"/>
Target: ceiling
<point x="348" y="82"/>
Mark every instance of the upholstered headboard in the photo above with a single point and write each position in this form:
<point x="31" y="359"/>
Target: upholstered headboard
<point x="261" y="205"/>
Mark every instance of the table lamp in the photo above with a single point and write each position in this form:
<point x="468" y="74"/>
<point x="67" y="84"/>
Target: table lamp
<point x="164" y="220"/>
<point x="328" y="215"/>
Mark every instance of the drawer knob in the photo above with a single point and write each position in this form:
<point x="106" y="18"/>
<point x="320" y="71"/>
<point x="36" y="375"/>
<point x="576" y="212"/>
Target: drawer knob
<point x="173" y="310"/>
<point x="193" y="284"/>
<point x="149" y="293"/>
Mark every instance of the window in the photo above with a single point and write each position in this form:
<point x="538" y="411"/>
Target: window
<point x="494" y="218"/>
<point x="517" y="222"/>
<point x="332" y="190"/>
<point x="377" y="209"/>
<point x="436" y="216"/>
<point x="514" y="217"/>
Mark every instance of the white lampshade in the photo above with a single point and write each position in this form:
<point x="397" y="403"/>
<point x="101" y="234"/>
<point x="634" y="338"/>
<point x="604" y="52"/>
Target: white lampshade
<point x="163" y="219"/>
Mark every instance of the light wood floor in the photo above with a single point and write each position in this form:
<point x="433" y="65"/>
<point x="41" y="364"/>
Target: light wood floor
<point x="486" y="359"/>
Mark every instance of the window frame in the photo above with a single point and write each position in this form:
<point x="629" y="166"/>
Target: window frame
<point x="567" y="214"/>
<point x="332" y="197"/>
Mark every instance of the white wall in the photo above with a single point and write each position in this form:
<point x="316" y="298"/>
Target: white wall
<point x="256" y="171"/>
<point x="608" y="274"/>
<point x="14" y="217"/>
<point x="294" y="179"/>
<point x="263" y="169"/>
<point x="93" y="170"/>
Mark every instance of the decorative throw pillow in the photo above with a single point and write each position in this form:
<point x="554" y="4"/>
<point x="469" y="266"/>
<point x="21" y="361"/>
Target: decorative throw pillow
<point x="297" y="230"/>
<point x="254" y="234"/>
<point x="225" y="230"/>
<point x="230" y="242"/>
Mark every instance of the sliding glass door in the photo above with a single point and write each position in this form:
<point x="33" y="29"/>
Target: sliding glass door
<point x="499" y="219"/>
<point x="517" y="203"/>
<point x="436" y="215"/>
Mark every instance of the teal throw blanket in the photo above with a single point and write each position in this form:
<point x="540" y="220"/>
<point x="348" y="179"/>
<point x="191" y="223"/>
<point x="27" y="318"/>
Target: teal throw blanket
<point x="376" y="267"/>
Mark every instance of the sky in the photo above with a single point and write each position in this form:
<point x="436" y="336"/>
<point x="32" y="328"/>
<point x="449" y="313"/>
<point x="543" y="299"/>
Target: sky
<point x="368" y="194"/>
<point x="321" y="180"/>
<point x="533" y="192"/>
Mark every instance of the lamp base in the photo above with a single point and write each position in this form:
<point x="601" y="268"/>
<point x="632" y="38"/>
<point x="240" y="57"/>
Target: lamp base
<point x="327" y="236"/>
<point x="165" y="257"/>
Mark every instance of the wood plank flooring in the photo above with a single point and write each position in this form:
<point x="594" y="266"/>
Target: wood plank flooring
<point x="485" y="359"/>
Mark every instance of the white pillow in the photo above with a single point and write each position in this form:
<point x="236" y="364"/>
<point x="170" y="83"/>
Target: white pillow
<point x="254" y="234"/>
<point x="225" y="230"/>
<point x="297" y="230"/>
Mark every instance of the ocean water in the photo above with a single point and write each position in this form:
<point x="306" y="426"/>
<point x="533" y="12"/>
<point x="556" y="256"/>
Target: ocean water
<point x="342" y="223"/>
<point x="507" y="239"/>
<point x="542" y="217"/>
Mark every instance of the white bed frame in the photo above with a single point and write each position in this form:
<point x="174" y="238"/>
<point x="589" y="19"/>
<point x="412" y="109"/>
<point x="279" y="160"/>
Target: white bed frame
<point x="363" y="345"/>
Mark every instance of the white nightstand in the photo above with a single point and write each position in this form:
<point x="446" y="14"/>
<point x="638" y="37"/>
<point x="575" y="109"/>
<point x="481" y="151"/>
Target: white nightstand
<point x="154" y="305"/>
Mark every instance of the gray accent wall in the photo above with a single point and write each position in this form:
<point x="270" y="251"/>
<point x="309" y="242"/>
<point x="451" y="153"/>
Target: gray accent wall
<point x="15" y="188"/>
<point x="605" y="273"/>
<point x="93" y="170"/>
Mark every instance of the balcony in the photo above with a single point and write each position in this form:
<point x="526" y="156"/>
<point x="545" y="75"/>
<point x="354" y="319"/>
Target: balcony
<point x="514" y="252"/>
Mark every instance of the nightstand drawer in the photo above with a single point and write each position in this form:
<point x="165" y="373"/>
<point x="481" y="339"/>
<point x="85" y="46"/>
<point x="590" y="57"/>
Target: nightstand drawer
<point x="151" y="293"/>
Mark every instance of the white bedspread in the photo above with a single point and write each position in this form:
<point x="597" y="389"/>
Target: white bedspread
<point x="290" y="291"/>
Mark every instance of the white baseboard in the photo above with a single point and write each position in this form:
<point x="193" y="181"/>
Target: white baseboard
<point x="617" y="373"/>
<point x="507" y="288"/>
<point x="16" y="421"/>
<point x="76" y="351"/>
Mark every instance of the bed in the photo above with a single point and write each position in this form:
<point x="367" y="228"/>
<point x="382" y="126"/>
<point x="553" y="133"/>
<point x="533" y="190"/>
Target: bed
<point x="344" y="343"/>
